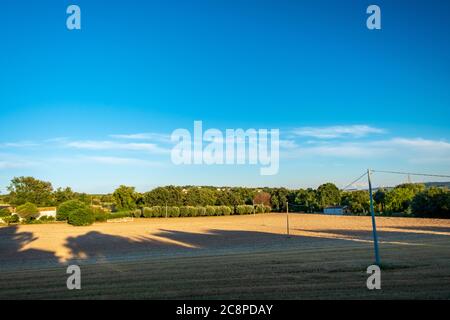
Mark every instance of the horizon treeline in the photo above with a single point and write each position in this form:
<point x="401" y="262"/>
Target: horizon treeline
<point x="408" y="198"/>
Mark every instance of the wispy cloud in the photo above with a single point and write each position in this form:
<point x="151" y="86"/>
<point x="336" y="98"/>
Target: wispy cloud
<point x="113" y="145"/>
<point x="333" y="132"/>
<point x="123" y="161"/>
<point x="148" y="136"/>
<point x="19" y="144"/>
<point x="415" y="150"/>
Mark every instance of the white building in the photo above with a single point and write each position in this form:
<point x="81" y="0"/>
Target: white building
<point x="335" y="210"/>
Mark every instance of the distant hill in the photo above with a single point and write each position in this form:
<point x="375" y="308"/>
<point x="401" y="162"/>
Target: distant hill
<point x="437" y="184"/>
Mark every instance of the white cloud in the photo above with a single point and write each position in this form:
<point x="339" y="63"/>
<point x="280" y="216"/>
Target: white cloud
<point x="112" y="145"/>
<point x="333" y="132"/>
<point x="123" y="161"/>
<point x="160" y="137"/>
<point x="416" y="150"/>
<point x="20" y="144"/>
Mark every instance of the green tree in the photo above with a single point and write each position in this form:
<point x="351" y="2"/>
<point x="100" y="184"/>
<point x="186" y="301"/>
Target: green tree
<point x="66" y="208"/>
<point x="28" y="189"/>
<point x="357" y="201"/>
<point x="170" y="195"/>
<point x="279" y="197"/>
<point x="125" y="198"/>
<point x="379" y="197"/>
<point x="432" y="203"/>
<point x="199" y="196"/>
<point x="62" y="195"/>
<point x="306" y="200"/>
<point x="328" y="195"/>
<point x="399" y="199"/>
<point x="27" y="211"/>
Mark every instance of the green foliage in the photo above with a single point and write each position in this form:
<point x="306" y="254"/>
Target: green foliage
<point x="357" y="201"/>
<point x="29" y="189"/>
<point x="279" y="197"/>
<point x="399" y="199"/>
<point x="188" y="211"/>
<point x="432" y="203"/>
<point x="260" y="208"/>
<point x="62" y="195"/>
<point x="328" y="195"/>
<point x="47" y="219"/>
<point x="66" y="208"/>
<point x="27" y="211"/>
<point x="120" y="215"/>
<point x="4" y="213"/>
<point x="12" y="219"/>
<point x="306" y="200"/>
<point x="125" y="198"/>
<point x="81" y="217"/>
<point x="161" y="196"/>
<point x="244" y="209"/>
<point x="223" y="210"/>
<point x="198" y="196"/>
<point x="100" y="215"/>
<point x="210" y="210"/>
<point x="267" y="209"/>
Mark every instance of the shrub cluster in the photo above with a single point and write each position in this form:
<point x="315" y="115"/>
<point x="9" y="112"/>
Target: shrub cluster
<point x="27" y="211"/>
<point x="199" y="211"/>
<point x="244" y="209"/>
<point x="81" y="217"/>
<point x="66" y="208"/>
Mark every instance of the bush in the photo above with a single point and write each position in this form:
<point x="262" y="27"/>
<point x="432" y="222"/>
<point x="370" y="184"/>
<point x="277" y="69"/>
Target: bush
<point x="81" y="217"/>
<point x="27" y="211"/>
<point x="201" y="212"/>
<point x="267" y="209"/>
<point x="47" y="219"/>
<point x="136" y="213"/>
<point x="66" y="208"/>
<point x="244" y="209"/>
<point x="260" y="208"/>
<point x="188" y="211"/>
<point x="120" y="215"/>
<point x="173" y="211"/>
<point x="100" y="214"/>
<point x="14" y="218"/>
<point x="223" y="211"/>
<point x="4" y="213"/>
<point x="210" y="210"/>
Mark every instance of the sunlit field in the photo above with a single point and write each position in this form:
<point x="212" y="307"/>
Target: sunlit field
<point x="237" y="257"/>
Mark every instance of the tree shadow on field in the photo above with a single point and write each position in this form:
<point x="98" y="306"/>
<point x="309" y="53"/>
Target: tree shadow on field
<point x="425" y="228"/>
<point x="12" y="252"/>
<point x="383" y="235"/>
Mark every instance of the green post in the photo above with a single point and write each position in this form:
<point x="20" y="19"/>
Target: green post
<point x="374" y="227"/>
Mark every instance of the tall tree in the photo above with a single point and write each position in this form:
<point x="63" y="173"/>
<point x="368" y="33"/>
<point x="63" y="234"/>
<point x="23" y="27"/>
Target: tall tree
<point x="28" y="189"/>
<point x="125" y="198"/>
<point x="328" y="195"/>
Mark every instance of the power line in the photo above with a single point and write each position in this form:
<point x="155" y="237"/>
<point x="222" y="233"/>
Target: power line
<point x="413" y="174"/>
<point x="356" y="180"/>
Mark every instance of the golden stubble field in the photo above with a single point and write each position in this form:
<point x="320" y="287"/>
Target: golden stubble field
<point x="235" y="257"/>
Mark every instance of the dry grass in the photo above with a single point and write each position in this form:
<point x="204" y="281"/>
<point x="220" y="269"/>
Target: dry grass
<point x="228" y="257"/>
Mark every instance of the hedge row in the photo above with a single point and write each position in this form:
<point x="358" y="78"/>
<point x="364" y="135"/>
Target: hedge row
<point x="190" y="211"/>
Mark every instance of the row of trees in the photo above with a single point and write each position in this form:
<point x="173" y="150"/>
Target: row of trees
<point x="405" y="198"/>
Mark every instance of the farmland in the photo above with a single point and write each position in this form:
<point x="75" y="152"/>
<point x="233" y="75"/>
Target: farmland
<point x="237" y="257"/>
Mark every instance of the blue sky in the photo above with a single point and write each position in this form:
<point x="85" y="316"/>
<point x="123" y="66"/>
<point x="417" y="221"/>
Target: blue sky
<point x="94" y="108"/>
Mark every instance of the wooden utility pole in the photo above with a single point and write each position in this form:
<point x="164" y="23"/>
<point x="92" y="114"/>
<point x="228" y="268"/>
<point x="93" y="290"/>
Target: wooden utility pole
<point x="374" y="226"/>
<point x="287" y="218"/>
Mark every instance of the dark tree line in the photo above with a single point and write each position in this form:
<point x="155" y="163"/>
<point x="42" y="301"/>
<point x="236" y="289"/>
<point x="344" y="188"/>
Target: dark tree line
<point x="412" y="199"/>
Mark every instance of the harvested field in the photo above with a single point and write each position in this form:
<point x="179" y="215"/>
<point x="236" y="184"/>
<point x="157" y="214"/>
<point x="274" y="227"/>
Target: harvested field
<point x="237" y="257"/>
